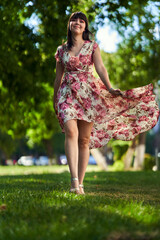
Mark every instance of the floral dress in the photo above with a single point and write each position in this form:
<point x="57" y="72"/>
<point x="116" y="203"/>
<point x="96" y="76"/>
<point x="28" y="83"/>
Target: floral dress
<point x="84" y="97"/>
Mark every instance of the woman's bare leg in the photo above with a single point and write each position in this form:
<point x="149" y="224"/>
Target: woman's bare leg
<point x="71" y="148"/>
<point x="84" y="129"/>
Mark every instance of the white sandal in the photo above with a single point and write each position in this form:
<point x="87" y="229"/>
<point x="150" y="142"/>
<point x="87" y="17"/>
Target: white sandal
<point x="74" y="190"/>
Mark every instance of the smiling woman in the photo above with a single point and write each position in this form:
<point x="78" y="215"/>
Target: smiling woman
<point x="89" y="110"/>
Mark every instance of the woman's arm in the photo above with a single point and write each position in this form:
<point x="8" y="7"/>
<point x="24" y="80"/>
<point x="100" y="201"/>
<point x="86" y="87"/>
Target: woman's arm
<point x="102" y="72"/>
<point x="59" y="76"/>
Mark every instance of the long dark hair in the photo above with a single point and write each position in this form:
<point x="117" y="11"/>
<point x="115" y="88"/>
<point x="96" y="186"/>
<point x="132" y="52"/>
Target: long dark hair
<point x="86" y="32"/>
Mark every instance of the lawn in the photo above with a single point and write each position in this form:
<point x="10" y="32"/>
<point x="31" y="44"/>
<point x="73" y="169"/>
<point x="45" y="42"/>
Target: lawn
<point x="35" y="203"/>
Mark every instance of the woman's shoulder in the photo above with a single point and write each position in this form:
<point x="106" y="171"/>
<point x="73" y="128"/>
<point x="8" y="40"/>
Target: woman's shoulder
<point x="62" y="46"/>
<point x="89" y="41"/>
<point x="93" y="43"/>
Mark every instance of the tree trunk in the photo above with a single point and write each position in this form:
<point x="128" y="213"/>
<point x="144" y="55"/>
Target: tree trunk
<point x="129" y="155"/>
<point x="139" y="152"/>
<point x="99" y="158"/>
<point x="49" y="149"/>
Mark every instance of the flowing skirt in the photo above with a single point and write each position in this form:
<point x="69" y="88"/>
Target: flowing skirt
<point x="84" y="97"/>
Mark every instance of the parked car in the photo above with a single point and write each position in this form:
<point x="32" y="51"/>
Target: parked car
<point x="63" y="160"/>
<point x="26" y="161"/>
<point x="42" y="161"/>
<point x="92" y="160"/>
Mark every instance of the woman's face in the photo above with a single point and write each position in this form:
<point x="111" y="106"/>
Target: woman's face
<point x="77" y="26"/>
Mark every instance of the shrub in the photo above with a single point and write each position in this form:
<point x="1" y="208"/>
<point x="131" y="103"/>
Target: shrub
<point x="149" y="161"/>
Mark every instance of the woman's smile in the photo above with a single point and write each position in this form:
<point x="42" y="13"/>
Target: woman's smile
<point x="77" y="24"/>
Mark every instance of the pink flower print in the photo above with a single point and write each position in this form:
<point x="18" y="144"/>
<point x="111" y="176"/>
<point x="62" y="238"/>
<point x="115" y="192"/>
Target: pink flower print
<point x="134" y="131"/>
<point x="98" y="107"/>
<point x="153" y="123"/>
<point x="147" y="99"/>
<point x="63" y="85"/>
<point x="112" y="122"/>
<point x="103" y="113"/>
<point x="129" y="93"/>
<point x="111" y="125"/>
<point x="151" y="111"/>
<point x="120" y="103"/>
<point x="69" y="100"/>
<point x="73" y="61"/>
<point x="124" y="114"/>
<point x="87" y="103"/>
<point x="142" y="118"/>
<point x="83" y="59"/>
<point x="68" y="77"/>
<point x="98" y="119"/>
<point x="97" y="144"/>
<point x="75" y="86"/>
<point x="106" y="135"/>
<point x="134" y="124"/>
<point x="121" y="125"/>
<point x="144" y="107"/>
<point x="93" y="86"/>
<point x="95" y="94"/>
<point x="74" y="94"/>
<point x="83" y="77"/>
<point x="80" y="112"/>
<point x="124" y="132"/>
<point x="76" y="106"/>
<point x="61" y="52"/>
<point x="61" y="115"/>
<point x="64" y="106"/>
<point x="139" y="128"/>
<point x="100" y="133"/>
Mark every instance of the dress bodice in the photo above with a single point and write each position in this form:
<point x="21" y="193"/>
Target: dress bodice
<point x="83" y="62"/>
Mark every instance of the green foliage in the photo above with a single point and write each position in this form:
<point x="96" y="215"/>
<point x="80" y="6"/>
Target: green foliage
<point x="149" y="162"/>
<point x="117" y="166"/>
<point x="27" y="65"/>
<point x="35" y="203"/>
<point x="119" y="148"/>
<point x="136" y="61"/>
<point x="58" y="140"/>
<point x="7" y="145"/>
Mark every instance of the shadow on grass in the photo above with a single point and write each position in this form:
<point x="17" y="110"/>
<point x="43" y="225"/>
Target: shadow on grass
<point x="117" y="205"/>
<point x="140" y="186"/>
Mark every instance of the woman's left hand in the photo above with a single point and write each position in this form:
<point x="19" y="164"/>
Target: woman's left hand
<point x="116" y="92"/>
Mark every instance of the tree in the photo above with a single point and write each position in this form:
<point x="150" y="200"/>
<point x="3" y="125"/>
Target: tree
<point x="27" y="66"/>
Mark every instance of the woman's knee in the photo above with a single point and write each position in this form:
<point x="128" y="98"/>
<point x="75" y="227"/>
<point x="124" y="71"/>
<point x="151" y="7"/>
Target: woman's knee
<point x="71" y="130"/>
<point x="83" y="142"/>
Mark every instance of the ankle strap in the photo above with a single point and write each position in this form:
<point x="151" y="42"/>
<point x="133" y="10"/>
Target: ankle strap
<point x="74" y="179"/>
<point x="81" y="185"/>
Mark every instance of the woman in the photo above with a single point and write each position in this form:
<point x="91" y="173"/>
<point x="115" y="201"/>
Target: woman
<point x="89" y="110"/>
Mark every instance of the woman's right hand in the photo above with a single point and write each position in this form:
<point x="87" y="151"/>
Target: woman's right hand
<point x="116" y="92"/>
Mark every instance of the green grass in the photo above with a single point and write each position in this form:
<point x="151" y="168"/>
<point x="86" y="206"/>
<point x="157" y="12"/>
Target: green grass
<point x="35" y="203"/>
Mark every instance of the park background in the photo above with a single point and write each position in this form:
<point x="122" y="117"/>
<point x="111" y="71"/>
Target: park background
<point x="35" y="202"/>
<point x="30" y="33"/>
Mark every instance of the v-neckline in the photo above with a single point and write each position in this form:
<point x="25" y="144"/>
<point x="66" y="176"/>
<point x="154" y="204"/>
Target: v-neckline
<point x="79" y="50"/>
